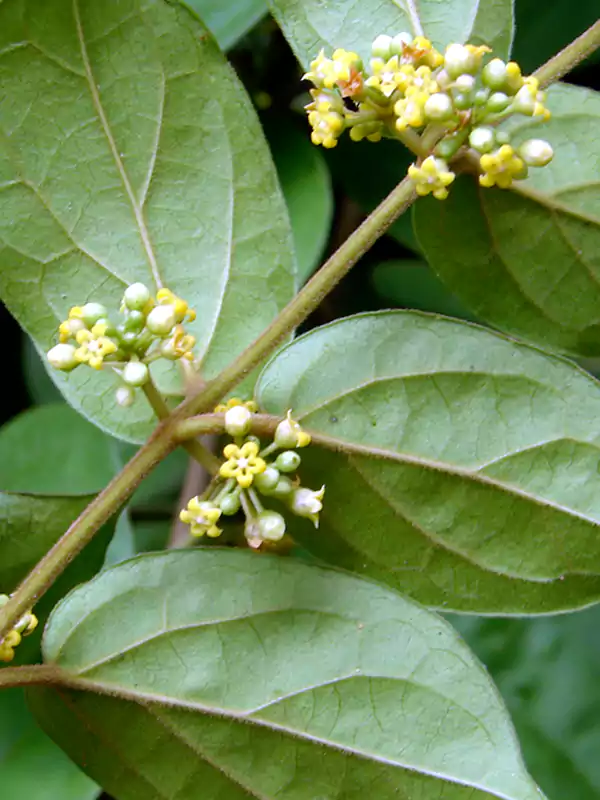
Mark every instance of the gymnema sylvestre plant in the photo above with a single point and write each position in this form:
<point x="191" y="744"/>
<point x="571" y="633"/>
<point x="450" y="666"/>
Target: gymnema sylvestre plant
<point x="360" y="477"/>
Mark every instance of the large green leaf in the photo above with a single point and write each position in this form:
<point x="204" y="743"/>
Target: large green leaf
<point x="528" y="260"/>
<point x="547" y="670"/>
<point x="228" y="21"/>
<point x="468" y="467"/>
<point x="130" y="151"/>
<point x="52" y="450"/>
<point x="31" y="765"/>
<point x="309" y="25"/>
<point x="270" y="678"/>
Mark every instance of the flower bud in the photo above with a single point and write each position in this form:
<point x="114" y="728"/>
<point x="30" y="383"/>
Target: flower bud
<point x="498" y="102"/>
<point x="268" y="526"/>
<point x="462" y="101"/>
<point x="230" y="504"/>
<point x="399" y="42"/>
<point x="536" y="152"/>
<point x="289" y="433"/>
<point x="465" y="83"/>
<point x="136" y="296"/>
<point x="306" y="503"/>
<point x="62" y="356"/>
<point x="288" y="461"/>
<point x="458" y="60"/>
<point x="161" y="320"/>
<point x="482" y="139"/>
<point x="283" y="489"/>
<point x="494" y="75"/>
<point x="124" y="396"/>
<point x="439" y="107"/>
<point x="381" y="47"/>
<point x="267" y="481"/>
<point x="524" y="102"/>
<point x="92" y="312"/>
<point x="135" y="373"/>
<point x="237" y="421"/>
<point x="442" y="79"/>
<point x="135" y="321"/>
<point x="481" y="97"/>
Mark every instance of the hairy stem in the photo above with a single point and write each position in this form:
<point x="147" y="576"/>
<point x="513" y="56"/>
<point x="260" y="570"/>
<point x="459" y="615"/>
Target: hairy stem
<point x="568" y="58"/>
<point x="29" y="675"/>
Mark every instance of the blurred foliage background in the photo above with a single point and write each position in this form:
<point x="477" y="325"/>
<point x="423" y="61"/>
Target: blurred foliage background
<point x="547" y="668"/>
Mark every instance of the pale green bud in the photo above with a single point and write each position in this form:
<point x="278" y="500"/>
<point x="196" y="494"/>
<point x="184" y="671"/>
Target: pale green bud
<point x="268" y="526"/>
<point x="306" y="503"/>
<point x="62" y="356"/>
<point x="481" y="97"/>
<point x="267" y="480"/>
<point x="438" y="107"/>
<point x="136" y="296"/>
<point x="288" y="461"/>
<point x="135" y="321"/>
<point x="465" y="83"/>
<point x="442" y="79"/>
<point x="289" y="433"/>
<point x="230" y="504"/>
<point x="135" y="373"/>
<point x="524" y="101"/>
<point x="237" y="421"/>
<point x="462" y="101"/>
<point x="124" y="396"/>
<point x="498" y="102"/>
<point x="459" y="60"/>
<point x="161" y="320"/>
<point x="381" y="47"/>
<point x="92" y="312"/>
<point x="398" y="43"/>
<point x="494" y="74"/>
<point x="283" y="489"/>
<point x="536" y="152"/>
<point x="482" y="139"/>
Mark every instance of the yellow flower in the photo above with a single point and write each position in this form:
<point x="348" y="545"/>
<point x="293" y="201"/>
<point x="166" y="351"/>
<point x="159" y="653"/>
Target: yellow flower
<point x="94" y="346"/>
<point x="243" y="463"/>
<point x="328" y="72"/>
<point x="179" y="345"/>
<point x="165" y="297"/>
<point x="432" y="177"/>
<point x="201" y="516"/>
<point x="421" y="52"/>
<point x="222" y="408"/>
<point x="326" y="127"/>
<point x="289" y="433"/>
<point x="8" y="644"/>
<point x="389" y="75"/>
<point x="26" y="625"/>
<point x="410" y="110"/>
<point x="69" y="328"/>
<point x="501" y="167"/>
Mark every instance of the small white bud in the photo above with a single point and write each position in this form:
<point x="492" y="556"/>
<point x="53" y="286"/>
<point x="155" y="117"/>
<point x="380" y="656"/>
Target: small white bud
<point x="289" y="434"/>
<point x="482" y="139"/>
<point x="381" y="47"/>
<point x="465" y="83"/>
<point x="62" y="356"/>
<point x="124" y="396"/>
<point x="442" y="79"/>
<point x="135" y="373"/>
<point x="237" y="421"/>
<point x="136" y="296"/>
<point x="458" y="60"/>
<point x="399" y="41"/>
<point x="494" y="74"/>
<point x="306" y="503"/>
<point x="161" y="320"/>
<point x="438" y="107"/>
<point x="92" y="312"/>
<point x="536" y="152"/>
<point x="524" y="102"/>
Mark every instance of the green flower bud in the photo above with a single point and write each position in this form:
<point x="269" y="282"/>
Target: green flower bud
<point x="458" y="60"/>
<point x="237" y="421"/>
<point x="524" y="101"/>
<point x="288" y="461"/>
<point x="111" y="329"/>
<point x="465" y="83"/>
<point x="283" y="489"/>
<point x="481" y="97"/>
<point x="462" y="101"/>
<point x="449" y="146"/>
<point x="128" y="338"/>
<point x="399" y="42"/>
<point x="135" y="321"/>
<point x="536" y="152"/>
<point x="161" y="320"/>
<point x="136" y="296"/>
<point x="230" y="504"/>
<point x="92" y="312"/>
<point x="494" y="74"/>
<point x="124" y="396"/>
<point x="381" y="47"/>
<point x="289" y="433"/>
<point x="267" y="481"/>
<point x="438" y="107"/>
<point x="62" y="356"/>
<point x="254" y="439"/>
<point x="135" y="373"/>
<point x="498" y="102"/>
<point x="269" y="526"/>
<point x="482" y="139"/>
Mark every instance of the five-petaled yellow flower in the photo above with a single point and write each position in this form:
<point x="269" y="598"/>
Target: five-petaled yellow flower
<point x="94" y="346"/>
<point x="243" y="463"/>
<point x="201" y="516"/>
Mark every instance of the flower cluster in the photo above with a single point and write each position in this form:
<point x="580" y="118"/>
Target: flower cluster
<point x="409" y="85"/>
<point x="249" y="471"/>
<point x="26" y="625"/>
<point x="150" y="328"/>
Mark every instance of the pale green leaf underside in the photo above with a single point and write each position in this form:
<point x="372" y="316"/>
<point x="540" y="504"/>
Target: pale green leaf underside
<point x="129" y="151"/>
<point x="310" y="25"/>
<point x="528" y="260"/>
<point x="472" y="476"/>
<point x="292" y="681"/>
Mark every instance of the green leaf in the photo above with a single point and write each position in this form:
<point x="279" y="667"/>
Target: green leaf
<point x="468" y="467"/>
<point x="52" y="450"/>
<point x="31" y="765"/>
<point x="296" y="681"/>
<point x="527" y="260"/>
<point x="309" y="25"/>
<point x="547" y="670"/>
<point x="229" y="21"/>
<point x="306" y="185"/>
<point x="125" y="162"/>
